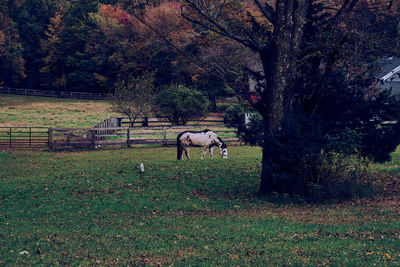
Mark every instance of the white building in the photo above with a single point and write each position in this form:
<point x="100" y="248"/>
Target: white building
<point x="388" y="74"/>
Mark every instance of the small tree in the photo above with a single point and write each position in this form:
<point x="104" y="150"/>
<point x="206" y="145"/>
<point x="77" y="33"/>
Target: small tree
<point x="134" y="96"/>
<point x="181" y="104"/>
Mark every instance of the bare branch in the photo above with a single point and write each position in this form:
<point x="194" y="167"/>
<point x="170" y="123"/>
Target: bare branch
<point x="219" y="28"/>
<point x="228" y="76"/>
<point x="344" y="10"/>
<point x="267" y="11"/>
<point x="390" y="4"/>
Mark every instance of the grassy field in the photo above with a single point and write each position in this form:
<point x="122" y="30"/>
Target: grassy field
<point x="32" y="111"/>
<point x="96" y="207"/>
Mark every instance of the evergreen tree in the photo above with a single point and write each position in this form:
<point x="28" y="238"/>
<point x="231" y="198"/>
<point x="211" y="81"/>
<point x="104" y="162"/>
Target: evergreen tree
<point x="12" y="64"/>
<point x="32" y="18"/>
<point x="54" y="62"/>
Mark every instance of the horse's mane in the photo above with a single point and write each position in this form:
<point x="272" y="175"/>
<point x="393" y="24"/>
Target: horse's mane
<point x="223" y="144"/>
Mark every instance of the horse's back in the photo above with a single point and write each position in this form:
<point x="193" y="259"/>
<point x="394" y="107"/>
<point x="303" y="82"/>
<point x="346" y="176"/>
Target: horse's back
<point x="202" y="138"/>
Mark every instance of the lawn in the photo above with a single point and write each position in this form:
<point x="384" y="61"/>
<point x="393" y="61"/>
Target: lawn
<point x="17" y="111"/>
<point x="96" y="207"/>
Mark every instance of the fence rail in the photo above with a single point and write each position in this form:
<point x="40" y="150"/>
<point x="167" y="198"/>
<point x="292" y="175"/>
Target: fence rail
<point x="212" y="121"/>
<point x="57" y="94"/>
<point x="109" y="124"/>
<point x="24" y="137"/>
<point x="77" y="95"/>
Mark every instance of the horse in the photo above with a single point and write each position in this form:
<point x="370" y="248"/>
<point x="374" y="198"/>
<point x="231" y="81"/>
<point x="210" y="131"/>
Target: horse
<point x="206" y="139"/>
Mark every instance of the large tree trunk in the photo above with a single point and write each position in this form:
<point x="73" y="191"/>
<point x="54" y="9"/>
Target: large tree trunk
<point x="279" y="63"/>
<point x="275" y="100"/>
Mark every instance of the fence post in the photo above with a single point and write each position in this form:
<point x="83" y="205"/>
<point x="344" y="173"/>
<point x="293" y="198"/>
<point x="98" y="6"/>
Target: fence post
<point x="50" y="138"/>
<point x="30" y="137"/>
<point x="93" y="135"/>
<point x="145" y="122"/>
<point x="165" y="135"/>
<point x="128" y="138"/>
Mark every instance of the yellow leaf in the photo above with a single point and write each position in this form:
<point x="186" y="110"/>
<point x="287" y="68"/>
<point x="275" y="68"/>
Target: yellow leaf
<point x="387" y="256"/>
<point x="234" y="257"/>
<point x="369" y="252"/>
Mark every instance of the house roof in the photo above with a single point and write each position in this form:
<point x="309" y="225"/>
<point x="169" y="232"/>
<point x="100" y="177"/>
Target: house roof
<point x="387" y="68"/>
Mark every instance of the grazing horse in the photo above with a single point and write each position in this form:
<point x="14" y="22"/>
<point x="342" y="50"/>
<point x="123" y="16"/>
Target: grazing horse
<point x="206" y="139"/>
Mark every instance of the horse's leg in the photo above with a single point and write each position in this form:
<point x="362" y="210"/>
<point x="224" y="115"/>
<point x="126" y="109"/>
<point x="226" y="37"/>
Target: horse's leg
<point x="187" y="152"/>
<point x="182" y="150"/>
<point x="211" y="150"/>
<point x="204" y="152"/>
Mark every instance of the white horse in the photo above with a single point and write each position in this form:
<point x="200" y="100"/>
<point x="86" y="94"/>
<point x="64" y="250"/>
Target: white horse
<point x="206" y="139"/>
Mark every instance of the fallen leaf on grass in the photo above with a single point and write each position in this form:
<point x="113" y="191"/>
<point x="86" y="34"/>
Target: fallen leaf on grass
<point x="387" y="256"/>
<point x="234" y="257"/>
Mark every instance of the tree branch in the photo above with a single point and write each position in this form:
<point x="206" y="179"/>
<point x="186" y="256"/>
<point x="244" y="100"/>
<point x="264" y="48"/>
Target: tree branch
<point x="390" y="4"/>
<point x="219" y="29"/>
<point x="344" y="10"/>
<point x="267" y="10"/>
<point x="227" y="75"/>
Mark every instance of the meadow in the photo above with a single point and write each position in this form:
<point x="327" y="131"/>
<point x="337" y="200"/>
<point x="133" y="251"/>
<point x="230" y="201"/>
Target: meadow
<point x="21" y="111"/>
<point x="95" y="207"/>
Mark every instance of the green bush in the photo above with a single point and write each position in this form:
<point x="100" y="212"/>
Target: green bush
<point x="253" y="132"/>
<point x="304" y="160"/>
<point x="309" y="163"/>
<point x="180" y="104"/>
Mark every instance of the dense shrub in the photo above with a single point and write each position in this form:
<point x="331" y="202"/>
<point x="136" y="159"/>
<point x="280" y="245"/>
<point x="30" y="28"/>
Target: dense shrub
<point x="250" y="133"/>
<point x="308" y="160"/>
<point x="180" y="104"/>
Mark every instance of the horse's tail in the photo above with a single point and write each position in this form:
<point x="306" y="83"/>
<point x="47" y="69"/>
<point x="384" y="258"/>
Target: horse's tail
<point x="178" y="148"/>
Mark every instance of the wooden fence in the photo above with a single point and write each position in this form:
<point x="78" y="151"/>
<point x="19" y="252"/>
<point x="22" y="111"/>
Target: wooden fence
<point x="96" y="137"/>
<point x="216" y="120"/>
<point x="24" y="137"/>
<point x="57" y="94"/>
<point x="109" y="125"/>
<point x="55" y="138"/>
<point x="77" y="95"/>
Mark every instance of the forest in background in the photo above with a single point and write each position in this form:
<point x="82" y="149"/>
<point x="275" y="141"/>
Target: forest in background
<point x="86" y="47"/>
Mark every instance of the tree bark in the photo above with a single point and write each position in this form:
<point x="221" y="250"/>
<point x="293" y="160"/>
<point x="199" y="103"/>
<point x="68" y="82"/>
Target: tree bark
<point x="279" y="65"/>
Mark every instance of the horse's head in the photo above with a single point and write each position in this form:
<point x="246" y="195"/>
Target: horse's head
<point x="223" y="150"/>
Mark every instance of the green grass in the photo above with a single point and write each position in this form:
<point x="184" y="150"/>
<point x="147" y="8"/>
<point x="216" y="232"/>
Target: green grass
<point x="96" y="207"/>
<point x="392" y="166"/>
<point x="51" y="112"/>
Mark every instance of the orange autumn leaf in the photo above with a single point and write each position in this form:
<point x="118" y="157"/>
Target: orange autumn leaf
<point x="234" y="257"/>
